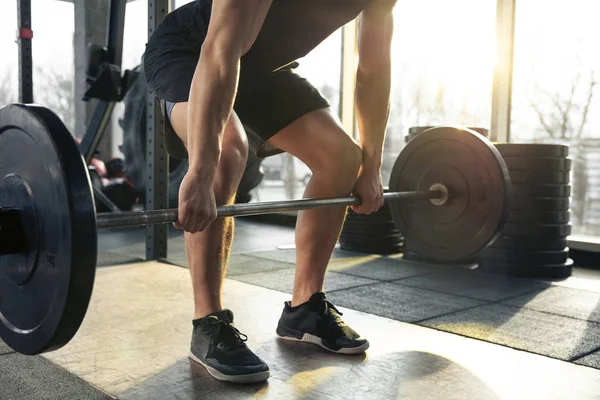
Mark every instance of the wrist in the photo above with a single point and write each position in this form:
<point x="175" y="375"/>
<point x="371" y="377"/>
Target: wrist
<point x="203" y="172"/>
<point x="372" y="160"/>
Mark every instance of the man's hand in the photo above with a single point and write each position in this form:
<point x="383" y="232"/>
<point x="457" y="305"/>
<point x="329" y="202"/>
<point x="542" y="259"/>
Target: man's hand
<point x="369" y="188"/>
<point x="197" y="206"/>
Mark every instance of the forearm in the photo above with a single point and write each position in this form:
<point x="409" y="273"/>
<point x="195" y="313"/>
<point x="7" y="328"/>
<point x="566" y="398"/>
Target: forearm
<point x="372" y="110"/>
<point x="209" y="108"/>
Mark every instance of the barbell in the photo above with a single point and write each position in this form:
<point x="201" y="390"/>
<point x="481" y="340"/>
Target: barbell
<point x="448" y="195"/>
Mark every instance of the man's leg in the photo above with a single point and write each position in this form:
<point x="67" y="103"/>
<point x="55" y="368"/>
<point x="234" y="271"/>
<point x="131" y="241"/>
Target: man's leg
<point x="216" y="343"/>
<point x="319" y="140"/>
<point x="208" y="251"/>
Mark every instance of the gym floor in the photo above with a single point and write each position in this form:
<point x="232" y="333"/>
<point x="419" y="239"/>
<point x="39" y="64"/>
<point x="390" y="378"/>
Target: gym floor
<point x="436" y="332"/>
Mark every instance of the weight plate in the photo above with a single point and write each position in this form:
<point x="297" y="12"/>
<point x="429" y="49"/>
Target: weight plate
<point x="382" y="215"/>
<point x="527" y="257"/>
<point x="369" y="237"/>
<point x="412" y="256"/>
<point x="370" y="227"/>
<point x="43" y="311"/>
<point x="478" y="183"/>
<point x="530" y="244"/>
<point x="415" y="130"/>
<point x="372" y="249"/>
<point x="376" y="223"/>
<point x="522" y="189"/>
<point x="539" y="231"/>
<point x="539" y="217"/>
<point x="540" y="203"/>
<point x="532" y="150"/>
<point x="539" y="177"/>
<point x="550" y="271"/>
<point x="375" y="248"/>
<point x="534" y="163"/>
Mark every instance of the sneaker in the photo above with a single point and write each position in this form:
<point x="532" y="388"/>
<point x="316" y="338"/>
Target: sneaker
<point x="317" y="321"/>
<point x="221" y="349"/>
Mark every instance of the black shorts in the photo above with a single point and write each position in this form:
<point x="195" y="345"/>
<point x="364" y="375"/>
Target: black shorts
<point x="265" y="102"/>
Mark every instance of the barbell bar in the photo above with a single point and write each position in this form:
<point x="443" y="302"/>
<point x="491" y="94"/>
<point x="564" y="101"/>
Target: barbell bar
<point x="48" y="221"/>
<point x="141" y="218"/>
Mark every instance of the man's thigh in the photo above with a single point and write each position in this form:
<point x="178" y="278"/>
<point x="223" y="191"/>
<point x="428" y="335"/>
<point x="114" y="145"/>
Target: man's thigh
<point x="269" y="103"/>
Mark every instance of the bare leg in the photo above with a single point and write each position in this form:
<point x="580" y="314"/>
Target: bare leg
<point x="320" y="141"/>
<point x="208" y="251"/>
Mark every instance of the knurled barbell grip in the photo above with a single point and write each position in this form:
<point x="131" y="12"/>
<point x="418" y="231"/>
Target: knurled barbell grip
<point x="141" y="218"/>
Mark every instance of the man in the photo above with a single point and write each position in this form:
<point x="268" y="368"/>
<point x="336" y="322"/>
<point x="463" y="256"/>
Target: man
<point x="223" y="65"/>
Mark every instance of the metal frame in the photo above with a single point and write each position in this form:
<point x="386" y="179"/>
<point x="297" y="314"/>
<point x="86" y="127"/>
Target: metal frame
<point x="503" y="73"/>
<point x="101" y="117"/>
<point x="348" y="76"/>
<point x="24" y="36"/>
<point x="156" y="153"/>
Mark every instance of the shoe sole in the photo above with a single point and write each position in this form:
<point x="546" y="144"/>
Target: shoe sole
<point x="249" y="378"/>
<point x="308" y="338"/>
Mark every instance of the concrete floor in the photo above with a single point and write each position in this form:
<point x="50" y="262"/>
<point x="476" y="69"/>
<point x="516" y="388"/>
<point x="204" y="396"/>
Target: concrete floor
<point x="139" y="351"/>
<point x="435" y="331"/>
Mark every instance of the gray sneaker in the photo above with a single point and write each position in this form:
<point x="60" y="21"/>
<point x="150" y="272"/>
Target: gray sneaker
<point x="221" y="349"/>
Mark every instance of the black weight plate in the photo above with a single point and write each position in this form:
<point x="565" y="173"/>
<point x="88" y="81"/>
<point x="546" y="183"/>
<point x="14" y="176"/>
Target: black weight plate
<point x="539" y="177"/>
<point x="412" y="256"/>
<point x="539" y="217"/>
<point x="372" y="249"/>
<point x="15" y="194"/>
<point x="382" y="215"/>
<point x="44" y="312"/>
<point x="532" y="150"/>
<point x="371" y="227"/>
<point x="415" y="130"/>
<point x="525" y="257"/>
<point x="540" y="203"/>
<point x="529" y="244"/>
<point x="532" y="190"/>
<point x="370" y="237"/>
<point x="362" y="244"/>
<point x="477" y="180"/>
<point x="369" y="222"/>
<point x="535" y="163"/>
<point x="550" y="271"/>
<point x="538" y="231"/>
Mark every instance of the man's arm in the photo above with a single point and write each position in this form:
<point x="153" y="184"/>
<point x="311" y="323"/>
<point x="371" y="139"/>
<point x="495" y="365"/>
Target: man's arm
<point x="233" y="28"/>
<point x="373" y="79"/>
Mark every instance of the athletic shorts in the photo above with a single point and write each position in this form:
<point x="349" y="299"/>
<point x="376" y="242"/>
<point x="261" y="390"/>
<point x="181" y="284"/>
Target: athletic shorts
<point x="266" y="102"/>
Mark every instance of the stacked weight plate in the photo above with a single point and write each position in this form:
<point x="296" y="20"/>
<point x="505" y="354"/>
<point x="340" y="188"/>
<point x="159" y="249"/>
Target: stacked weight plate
<point x="533" y="242"/>
<point x="374" y="234"/>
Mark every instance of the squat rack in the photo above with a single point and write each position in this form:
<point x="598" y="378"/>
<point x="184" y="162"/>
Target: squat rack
<point x="156" y="155"/>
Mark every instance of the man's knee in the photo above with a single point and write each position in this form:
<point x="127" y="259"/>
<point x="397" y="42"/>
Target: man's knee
<point x="342" y="162"/>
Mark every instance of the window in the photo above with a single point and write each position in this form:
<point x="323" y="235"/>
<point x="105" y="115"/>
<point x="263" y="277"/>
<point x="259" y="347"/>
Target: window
<point x="555" y="93"/>
<point x="442" y="68"/>
<point x="53" y="27"/>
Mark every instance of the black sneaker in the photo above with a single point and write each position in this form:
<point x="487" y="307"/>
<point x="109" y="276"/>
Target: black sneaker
<point x="220" y="348"/>
<point x="317" y="321"/>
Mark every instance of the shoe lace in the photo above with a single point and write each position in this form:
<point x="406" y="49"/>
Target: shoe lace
<point x="330" y="314"/>
<point x="225" y="333"/>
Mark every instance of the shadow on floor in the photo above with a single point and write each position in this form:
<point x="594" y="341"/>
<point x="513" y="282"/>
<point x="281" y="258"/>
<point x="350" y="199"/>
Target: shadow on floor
<point x="306" y="372"/>
<point x="592" y="359"/>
